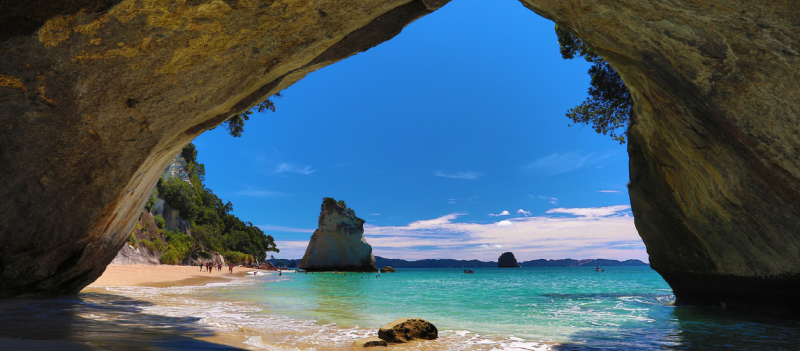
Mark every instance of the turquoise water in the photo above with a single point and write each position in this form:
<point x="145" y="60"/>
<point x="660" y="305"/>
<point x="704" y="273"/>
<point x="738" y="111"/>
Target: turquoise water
<point x="574" y="307"/>
<point x="522" y="309"/>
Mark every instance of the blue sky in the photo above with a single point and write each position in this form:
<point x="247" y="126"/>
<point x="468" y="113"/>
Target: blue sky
<point x="449" y="140"/>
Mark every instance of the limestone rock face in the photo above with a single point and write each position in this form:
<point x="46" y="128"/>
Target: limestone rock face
<point x="714" y="143"/>
<point x="97" y="95"/>
<point x="407" y="329"/>
<point x="338" y="244"/>
<point x="507" y="260"/>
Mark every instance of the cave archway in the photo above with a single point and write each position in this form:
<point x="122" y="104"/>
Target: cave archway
<point x="98" y="95"/>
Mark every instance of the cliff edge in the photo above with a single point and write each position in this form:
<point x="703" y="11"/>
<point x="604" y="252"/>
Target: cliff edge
<point x="338" y="244"/>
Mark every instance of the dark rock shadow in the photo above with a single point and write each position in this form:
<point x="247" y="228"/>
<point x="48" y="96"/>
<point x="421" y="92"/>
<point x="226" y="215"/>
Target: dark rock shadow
<point x="104" y="321"/>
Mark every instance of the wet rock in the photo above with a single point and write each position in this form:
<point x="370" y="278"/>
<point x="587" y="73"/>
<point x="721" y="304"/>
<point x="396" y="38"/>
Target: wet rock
<point x="369" y="342"/>
<point x="407" y="329"/>
<point x="388" y="269"/>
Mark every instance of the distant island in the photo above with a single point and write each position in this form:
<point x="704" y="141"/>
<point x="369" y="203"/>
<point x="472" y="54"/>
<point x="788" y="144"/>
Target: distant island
<point x="447" y="263"/>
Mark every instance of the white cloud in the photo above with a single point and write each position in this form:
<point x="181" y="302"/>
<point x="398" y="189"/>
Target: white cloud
<point x="558" y="163"/>
<point x="260" y="193"/>
<point x="458" y="175"/>
<point x="374" y="214"/>
<point x="591" y="211"/>
<point x="505" y="223"/>
<point x="611" y="236"/>
<point x="504" y="213"/>
<point x="523" y="212"/>
<point x="609" y="191"/>
<point x="600" y="232"/>
<point x="552" y="200"/>
<point x="276" y="228"/>
<point x="288" y="167"/>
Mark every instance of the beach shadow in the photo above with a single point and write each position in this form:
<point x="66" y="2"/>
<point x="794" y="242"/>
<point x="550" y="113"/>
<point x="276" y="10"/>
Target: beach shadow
<point x="104" y="321"/>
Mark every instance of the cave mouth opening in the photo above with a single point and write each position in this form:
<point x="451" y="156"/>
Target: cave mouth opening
<point x="412" y="125"/>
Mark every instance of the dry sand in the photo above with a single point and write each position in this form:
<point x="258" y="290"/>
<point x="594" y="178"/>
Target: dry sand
<point x="163" y="276"/>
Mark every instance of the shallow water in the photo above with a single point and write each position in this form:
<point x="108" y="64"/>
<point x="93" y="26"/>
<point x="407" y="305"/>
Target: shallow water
<point x="570" y="308"/>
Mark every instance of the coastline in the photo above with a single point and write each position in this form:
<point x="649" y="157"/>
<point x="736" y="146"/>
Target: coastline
<point x="165" y="276"/>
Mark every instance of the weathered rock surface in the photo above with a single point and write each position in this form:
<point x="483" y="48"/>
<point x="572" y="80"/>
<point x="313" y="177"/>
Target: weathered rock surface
<point x="507" y="260"/>
<point x="407" y="329"/>
<point x="97" y="95"/>
<point x="388" y="269"/>
<point x="369" y="342"/>
<point x="338" y="244"/>
<point x="136" y="255"/>
<point x="714" y="143"/>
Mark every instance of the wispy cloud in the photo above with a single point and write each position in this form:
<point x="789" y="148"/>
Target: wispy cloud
<point x="609" y="191"/>
<point x="600" y="232"/>
<point x="288" y="167"/>
<point x="552" y="200"/>
<point x="523" y="212"/>
<point x="504" y="213"/>
<point x="276" y="228"/>
<point x="558" y="163"/>
<point x="591" y="211"/>
<point x="458" y="175"/>
<point x="260" y="193"/>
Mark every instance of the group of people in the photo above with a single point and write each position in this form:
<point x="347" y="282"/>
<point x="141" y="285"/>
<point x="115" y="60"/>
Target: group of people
<point x="212" y="265"/>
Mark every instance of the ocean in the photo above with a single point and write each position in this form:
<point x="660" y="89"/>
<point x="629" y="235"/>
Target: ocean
<point x="565" y="308"/>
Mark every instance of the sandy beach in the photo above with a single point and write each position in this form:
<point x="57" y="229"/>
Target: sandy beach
<point x="163" y="276"/>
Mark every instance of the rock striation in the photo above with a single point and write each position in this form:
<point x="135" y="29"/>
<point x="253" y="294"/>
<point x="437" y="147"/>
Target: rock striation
<point x="338" y="244"/>
<point x="97" y="95"/>
<point x="507" y="260"/>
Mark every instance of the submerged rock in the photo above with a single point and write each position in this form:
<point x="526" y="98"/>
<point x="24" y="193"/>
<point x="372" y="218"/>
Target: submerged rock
<point x="338" y="244"/>
<point x="369" y="342"/>
<point x="507" y="260"/>
<point x="388" y="269"/>
<point x="407" y="329"/>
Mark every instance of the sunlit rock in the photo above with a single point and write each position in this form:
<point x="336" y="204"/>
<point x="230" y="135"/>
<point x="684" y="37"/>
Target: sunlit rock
<point x="339" y="243"/>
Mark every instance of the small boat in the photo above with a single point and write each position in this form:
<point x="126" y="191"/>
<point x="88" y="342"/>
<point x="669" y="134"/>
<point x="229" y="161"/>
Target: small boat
<point x="598" y="269"/>
<point x="468" y="271"/>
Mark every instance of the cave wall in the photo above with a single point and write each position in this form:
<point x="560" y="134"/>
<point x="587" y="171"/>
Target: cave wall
<point x="714" y="142"/>
<point x="97" y="96"/>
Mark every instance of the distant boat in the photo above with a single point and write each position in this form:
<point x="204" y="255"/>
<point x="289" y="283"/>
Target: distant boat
<point x="468" y="271"/>
<point x="598" y="269"/>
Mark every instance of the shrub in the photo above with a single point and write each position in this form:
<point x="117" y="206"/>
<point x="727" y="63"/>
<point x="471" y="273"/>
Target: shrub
<point x="151" y="204"/>
<point x="160" y="222"/>
<point x="132" y="240"/>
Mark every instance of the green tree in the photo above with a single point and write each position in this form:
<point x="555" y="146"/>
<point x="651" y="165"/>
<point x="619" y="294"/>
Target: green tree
<point x="236" y="122"/>
<point x="151" y="203"/>
<point x="608" y="107"/>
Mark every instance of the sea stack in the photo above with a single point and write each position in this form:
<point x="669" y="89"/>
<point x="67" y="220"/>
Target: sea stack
<point x="507" y="260"/>
<point x="338" y="244"/>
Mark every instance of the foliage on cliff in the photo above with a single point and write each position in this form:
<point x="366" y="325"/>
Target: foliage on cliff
<point x="214" y="227"/>
<point x="235" y="124"/>
<point x="608" y="107"/>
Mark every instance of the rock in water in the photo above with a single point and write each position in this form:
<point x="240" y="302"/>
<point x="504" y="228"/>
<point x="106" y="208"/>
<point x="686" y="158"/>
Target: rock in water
<point x="388" y="269"/>
<point x="507" y="260"/>
<point x="339" y="243"/>
<point x="369" y="342"/>
<point x="408" y="329"/>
